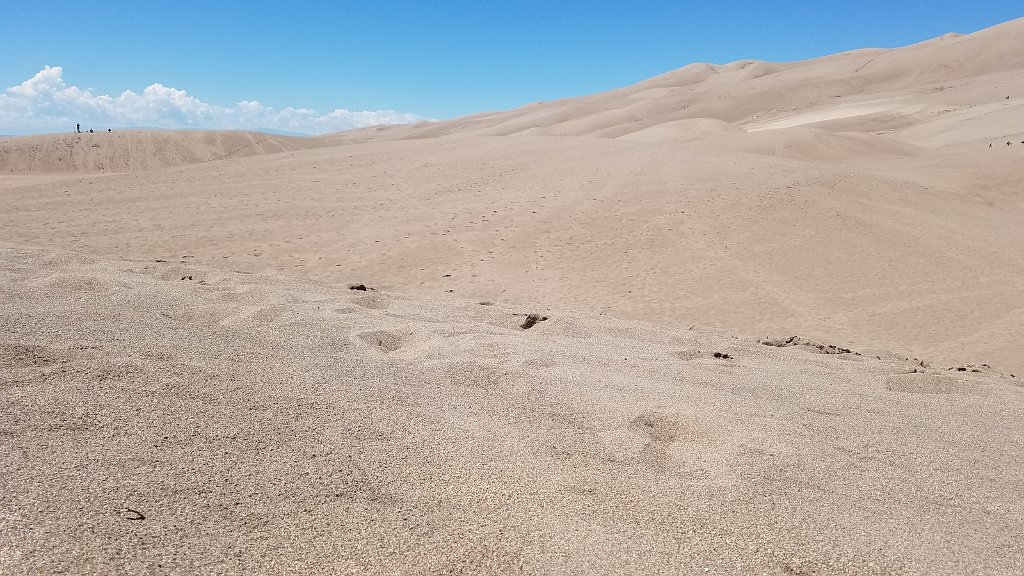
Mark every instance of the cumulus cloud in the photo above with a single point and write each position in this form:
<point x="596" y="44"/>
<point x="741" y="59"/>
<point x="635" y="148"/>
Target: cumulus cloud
<point x="45" y="102"/>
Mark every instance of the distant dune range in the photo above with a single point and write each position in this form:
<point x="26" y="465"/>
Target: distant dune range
<point x="181" y="343"/>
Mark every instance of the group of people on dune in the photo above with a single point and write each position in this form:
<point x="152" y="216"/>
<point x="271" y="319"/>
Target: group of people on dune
<point x="78" y="129"/>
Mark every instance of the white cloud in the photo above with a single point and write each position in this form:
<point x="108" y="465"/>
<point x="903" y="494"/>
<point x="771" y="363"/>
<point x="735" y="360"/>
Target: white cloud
<point x="44" y="103"/>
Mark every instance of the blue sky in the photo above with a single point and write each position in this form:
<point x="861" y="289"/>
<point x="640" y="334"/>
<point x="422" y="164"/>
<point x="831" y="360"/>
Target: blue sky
<point x="429" y="59"/>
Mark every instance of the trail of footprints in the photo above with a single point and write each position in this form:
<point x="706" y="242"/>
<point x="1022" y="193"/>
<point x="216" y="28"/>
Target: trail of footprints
<point x="659" y="427"/>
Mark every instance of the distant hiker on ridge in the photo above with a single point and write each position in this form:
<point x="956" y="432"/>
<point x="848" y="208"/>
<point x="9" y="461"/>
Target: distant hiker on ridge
<point x="78" y="128"/>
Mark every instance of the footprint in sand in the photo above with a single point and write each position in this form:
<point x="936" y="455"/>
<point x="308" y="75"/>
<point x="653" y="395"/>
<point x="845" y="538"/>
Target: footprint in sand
<point x="72" y="283"/>
<point x="383" y="340"/>
<point x="479" y="375"/>
<point x="690" y="354"/>
<point x="27" y="356"/>
<point x="923" y="383"/>
<point x="177" y="274"/>
<point x="662" y="430"/>
<point x="371" y="300"/>
<point x="657" y="426"/>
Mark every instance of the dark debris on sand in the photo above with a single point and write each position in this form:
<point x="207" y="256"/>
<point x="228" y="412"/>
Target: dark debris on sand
<point x="798" y="341"/>
<point x="532" y="320"/>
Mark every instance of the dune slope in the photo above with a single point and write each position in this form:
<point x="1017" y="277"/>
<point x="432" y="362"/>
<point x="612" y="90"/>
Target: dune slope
<point x="863" y="247"/>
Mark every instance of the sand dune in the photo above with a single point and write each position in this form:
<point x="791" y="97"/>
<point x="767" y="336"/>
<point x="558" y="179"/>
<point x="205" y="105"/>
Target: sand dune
<point x="162" y="417"/>
<point x="190" y="386"/>
<point x="137" y="150"/>
<point x="871" y="90"/>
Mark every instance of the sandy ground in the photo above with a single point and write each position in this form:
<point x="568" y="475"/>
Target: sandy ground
<point x="189" y="386"/>
<point x="918" y="252"/>
<point x="161" y="417"/>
